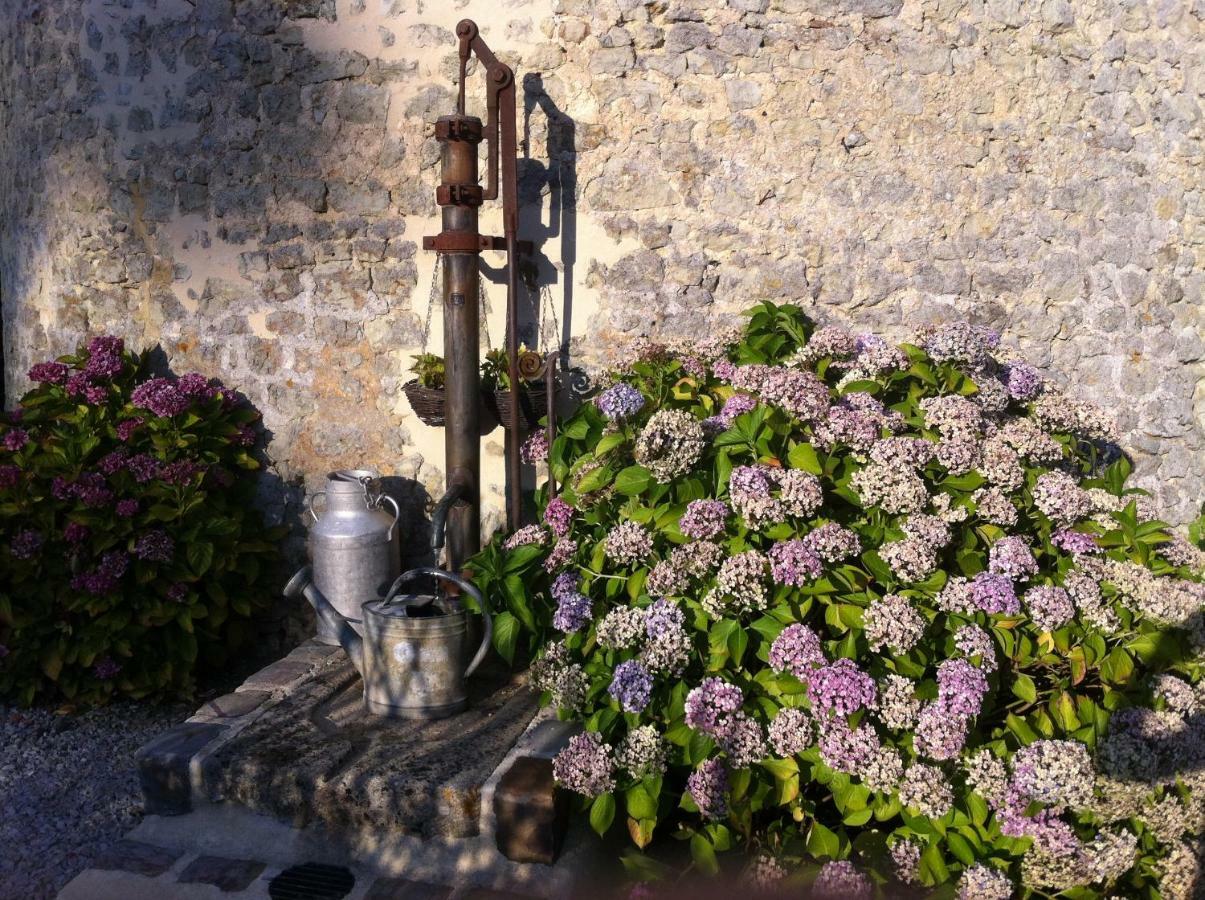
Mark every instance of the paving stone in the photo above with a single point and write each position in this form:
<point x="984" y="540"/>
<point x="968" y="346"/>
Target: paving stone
<point x="228" y="875"/>
<point x="402" y="889"/>
<point x="137" y="857"/>
<point x="163" y="766"/>
<point x="531" y="814"/>
<point x="280" y="674"/>
<point x="231" y="706"/>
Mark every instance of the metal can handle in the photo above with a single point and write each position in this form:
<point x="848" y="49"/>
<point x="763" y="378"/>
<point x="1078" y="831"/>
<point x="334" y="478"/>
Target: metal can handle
<point x="309" y="504"/>
<point x="397" y="515"/>
<point x="464" y="585"/>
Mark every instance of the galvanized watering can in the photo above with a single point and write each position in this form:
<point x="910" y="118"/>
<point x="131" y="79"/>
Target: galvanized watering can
<point x="412" y="654"/>
<point x="353" y="544"/>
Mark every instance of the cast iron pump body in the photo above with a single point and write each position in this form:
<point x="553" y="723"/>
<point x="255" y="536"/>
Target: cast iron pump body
<point x="459" y="196"/>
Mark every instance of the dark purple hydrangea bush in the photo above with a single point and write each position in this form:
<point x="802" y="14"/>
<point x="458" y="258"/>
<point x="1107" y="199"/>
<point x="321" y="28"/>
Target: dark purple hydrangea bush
<point x="129" y="549"/>
<point x="883" y="618"/>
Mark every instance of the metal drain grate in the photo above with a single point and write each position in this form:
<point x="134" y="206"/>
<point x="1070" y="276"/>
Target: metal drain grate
<point x="312" y="881"/>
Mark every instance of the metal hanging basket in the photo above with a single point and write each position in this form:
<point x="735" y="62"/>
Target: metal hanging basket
<point x="533" y="402"/>
<point x="429" y="405"/>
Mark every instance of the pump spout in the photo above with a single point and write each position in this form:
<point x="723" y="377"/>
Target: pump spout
<point x="302" y="585"/>
<point x="439" y="518"/>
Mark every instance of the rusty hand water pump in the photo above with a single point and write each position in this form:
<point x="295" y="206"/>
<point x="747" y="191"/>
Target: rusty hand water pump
<point x="411" y="648"/>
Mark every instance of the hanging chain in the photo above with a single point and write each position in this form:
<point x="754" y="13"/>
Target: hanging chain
<point x="431" y="297"/>
<point x="550" y="326"/>
<point x="484" y="315"/>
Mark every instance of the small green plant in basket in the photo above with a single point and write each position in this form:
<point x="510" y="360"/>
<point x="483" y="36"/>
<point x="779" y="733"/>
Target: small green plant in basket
<point x="430" y="370"/>
<point x="881" y="617"/>
<point x="131" y="554"/>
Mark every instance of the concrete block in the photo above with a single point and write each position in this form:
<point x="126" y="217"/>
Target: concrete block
<point x="164" y="766"/>
<point x="531" y="815"/>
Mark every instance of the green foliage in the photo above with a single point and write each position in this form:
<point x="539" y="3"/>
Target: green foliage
<point x="1063" y="683"/>
<point x="430" y="370"/>
<point x="130" y="552"/>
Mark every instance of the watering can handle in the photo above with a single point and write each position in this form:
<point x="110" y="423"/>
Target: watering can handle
<point x="464" y="585"/>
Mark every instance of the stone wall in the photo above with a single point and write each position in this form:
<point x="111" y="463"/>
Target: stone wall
<point x="246" y="183"/>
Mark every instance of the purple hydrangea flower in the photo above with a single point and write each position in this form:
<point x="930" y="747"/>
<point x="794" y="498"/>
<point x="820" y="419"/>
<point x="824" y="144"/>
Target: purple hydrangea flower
<point x="845" y="749"/>
<point x="734" y="406"/>
<point x="92" y="490"/>
<point x="535" y="448"/>
<point x="961" y="687"/>
<point x="565" y="585"/>
<point x="839" y="880"/>
<point x="558" y="516"/>
<point x="1049" y="607"/>
<point x="1075" y="542"/>
<point x="15" y="439"/>
<point x="194" y="384"/>
<point x="177" y="592"/>
<point x="75" y="533"/>
<point x="180" y="472"/>
<point x="10" y="477"/>
<point x="104" y="357"/>
<point x="1022" y="380"/>
<point x="841" y="688"/>
<point x="155" y="546"/>
<point x="143" y="467"/>
<point x="663" y="617"/>
<point x="833" y="542"/>
<point x="112" y="463"/>
<point x="160" y="396"/>
<point x="1011" y="556"/>
<point x="105" y="577"/>
<point x="710" y="706"/>
<point x="49" y="373"/>
<point x="795" y="563"/>
<point x="585" y="765"/>
<point x="619" y="402"/>
<point x="127" y="427"/>
<point x="80" y="385"/>
<point x="995" y="594"/>
<point x="704" y="519"/>
<point x="572" y="612"/>
<point x="708" y="787"/>
<point x="127" y="508"/>
<point x="632" y="686"/>
<point x="26" y="544"/>
<point x="939" y="734"/>
<point x="796" y="650"/>
<point x="106" y="669"/>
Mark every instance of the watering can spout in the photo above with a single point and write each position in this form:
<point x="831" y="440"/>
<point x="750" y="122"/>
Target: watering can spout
<point x="302" y="585"/>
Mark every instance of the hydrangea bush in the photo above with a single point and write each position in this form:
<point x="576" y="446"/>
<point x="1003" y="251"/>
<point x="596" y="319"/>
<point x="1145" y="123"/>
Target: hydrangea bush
<point x="874" y="614"/>
<point x="129" y="549"/>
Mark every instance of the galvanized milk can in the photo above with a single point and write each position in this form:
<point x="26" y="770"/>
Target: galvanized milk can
<point x="354" y="544"/>
<point x="415" y="647"/>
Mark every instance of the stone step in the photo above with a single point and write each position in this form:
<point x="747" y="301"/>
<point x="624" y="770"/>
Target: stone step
<point x="291" y="763"/>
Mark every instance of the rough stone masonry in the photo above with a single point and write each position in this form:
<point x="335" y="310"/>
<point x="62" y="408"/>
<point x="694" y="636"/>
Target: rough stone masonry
<point x="246" y="183"/>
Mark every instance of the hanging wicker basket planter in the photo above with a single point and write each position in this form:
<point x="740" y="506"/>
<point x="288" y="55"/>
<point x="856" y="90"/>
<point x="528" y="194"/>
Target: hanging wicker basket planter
<point x="429" y="405"/>
<point x="533" y="403"/>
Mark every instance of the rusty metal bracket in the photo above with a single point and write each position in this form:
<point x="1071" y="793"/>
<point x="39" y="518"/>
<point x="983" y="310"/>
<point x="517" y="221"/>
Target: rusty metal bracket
<point x="467" y="242"/>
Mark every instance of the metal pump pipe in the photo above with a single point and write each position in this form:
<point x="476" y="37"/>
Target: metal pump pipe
<point x="460" y="243"/>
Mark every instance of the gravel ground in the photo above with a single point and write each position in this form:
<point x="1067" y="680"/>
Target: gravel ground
<point x="68" y="789"/>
